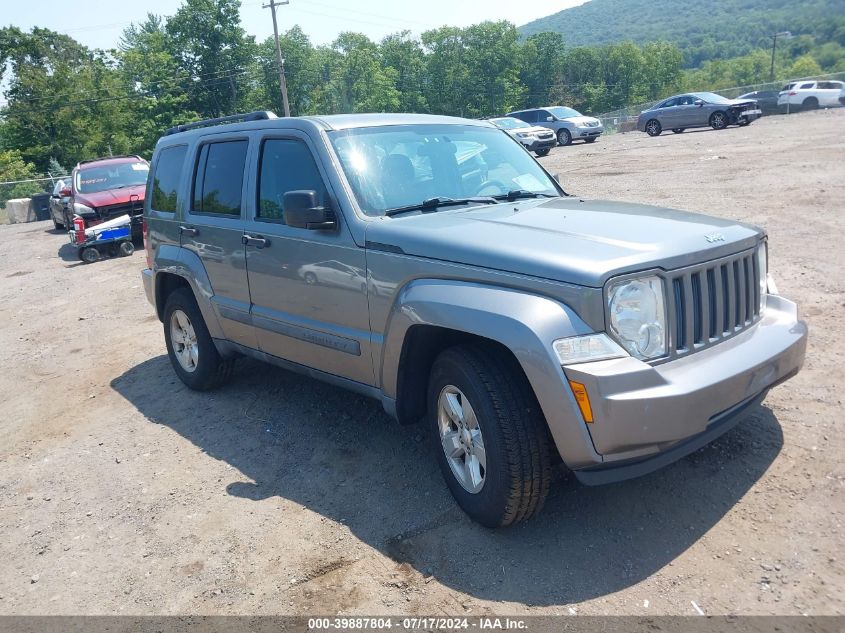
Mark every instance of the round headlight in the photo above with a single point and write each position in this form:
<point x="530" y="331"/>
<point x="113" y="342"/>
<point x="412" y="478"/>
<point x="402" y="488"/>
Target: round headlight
<point x="638" y="316"/>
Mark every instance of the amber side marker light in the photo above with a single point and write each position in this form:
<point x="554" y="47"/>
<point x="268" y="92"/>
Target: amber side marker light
<point x="583" y="400"/>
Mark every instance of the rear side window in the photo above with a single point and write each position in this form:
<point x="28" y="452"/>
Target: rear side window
<point x="806" y="86"/>
<point x="286" y="165"/>
<point x="166" y="178"/>
<point x="529" y="117"/>
<point x="218" y="181"/>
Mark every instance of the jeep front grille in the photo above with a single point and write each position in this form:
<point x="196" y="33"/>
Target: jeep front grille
<point x="711" y="302"/>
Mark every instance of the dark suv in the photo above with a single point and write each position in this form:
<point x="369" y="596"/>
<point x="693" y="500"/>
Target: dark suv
<point x="432" y="263"/>
<point x="105" y="188"/>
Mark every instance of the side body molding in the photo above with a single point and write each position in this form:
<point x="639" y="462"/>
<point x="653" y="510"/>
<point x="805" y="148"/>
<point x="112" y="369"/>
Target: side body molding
<point x="526" y="324"/>
<point x="175" y="260"/>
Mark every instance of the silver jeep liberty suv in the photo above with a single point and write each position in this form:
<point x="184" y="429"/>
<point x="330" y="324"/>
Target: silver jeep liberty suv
<point x="431" y="263"/>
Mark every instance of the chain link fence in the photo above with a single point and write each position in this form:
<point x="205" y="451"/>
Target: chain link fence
<point x="625" y="119"/>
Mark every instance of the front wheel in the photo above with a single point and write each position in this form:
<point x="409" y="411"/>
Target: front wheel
<point x="542" y="152"/>
<point x="653" y="128"/>
<point x="718" y="120"/>
<point x="564" y="137"/>
<point x="493" y="446"/>
<point x="189" y="346"/>
<point x="678" y="130"/>
<point x="591" y="139"/>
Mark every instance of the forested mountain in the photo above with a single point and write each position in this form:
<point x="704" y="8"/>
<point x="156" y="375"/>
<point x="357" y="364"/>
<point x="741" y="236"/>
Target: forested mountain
<point x="702" y="29"/>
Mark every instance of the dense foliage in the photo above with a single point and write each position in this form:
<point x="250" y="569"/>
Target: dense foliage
<point x="703" y="30"/>
<point x="65" y="102"/>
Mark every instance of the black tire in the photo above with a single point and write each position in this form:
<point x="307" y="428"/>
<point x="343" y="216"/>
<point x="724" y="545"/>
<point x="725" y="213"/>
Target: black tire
<point x="719" y="120"/>
<point x="127" y="248"/>
<point x="515" y="436"/>
<point x="564" y="137"/>
<point x="810" y="103"/>
<point x="591" y="139"/>
<point x="89" y="255"/>
<point x="211" y="370"/>
<point x="542" y="152"/>
<point x="653" y="127"/>
<point x="678" y="130"/>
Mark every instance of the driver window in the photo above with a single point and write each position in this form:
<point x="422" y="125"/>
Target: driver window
<point x="285" y="165"/>
<point x="669" y="103"/>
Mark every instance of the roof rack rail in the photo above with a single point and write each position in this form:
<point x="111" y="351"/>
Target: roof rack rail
<point x="94" y="160"/>
<point x="258" y="115"/>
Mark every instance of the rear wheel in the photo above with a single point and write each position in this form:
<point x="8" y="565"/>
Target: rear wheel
<point x="810" y="103"/>
<point x="653" y="127"/>
<point x="719" y="120"/>
<point x="564" y="137"/>
<point x="492" y="442"/>
<point x="678" y="130"/>
<point x="127" y="248"/>
<point x="189" y="345"/>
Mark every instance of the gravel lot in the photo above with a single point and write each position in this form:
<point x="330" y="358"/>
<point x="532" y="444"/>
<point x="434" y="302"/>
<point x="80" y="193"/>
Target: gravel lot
<point x="123" y="492"/>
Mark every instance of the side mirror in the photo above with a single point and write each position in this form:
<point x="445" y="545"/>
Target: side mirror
<point x="64" y="193"/>
<point x="300" y="211"/>
<point x="550" y="118"/>
<point x="698" y="102"/>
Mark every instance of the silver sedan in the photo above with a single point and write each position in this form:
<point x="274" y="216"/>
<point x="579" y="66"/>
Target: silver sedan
<point x="697" y="109"/>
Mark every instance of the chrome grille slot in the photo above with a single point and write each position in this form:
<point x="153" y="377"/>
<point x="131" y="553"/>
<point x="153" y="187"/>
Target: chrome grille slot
<point x="711" y="302"/>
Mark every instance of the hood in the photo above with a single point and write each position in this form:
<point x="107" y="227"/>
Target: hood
<point x="581" y="120"/>
<point x="111" y="196"/>
<point x="564" y="239"/>
<point x="534" y="129"/>
<point x="737" y="102"/>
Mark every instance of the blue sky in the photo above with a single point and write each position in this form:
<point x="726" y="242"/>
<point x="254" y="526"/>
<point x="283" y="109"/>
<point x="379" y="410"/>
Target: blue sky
<point x="99" y="24"/>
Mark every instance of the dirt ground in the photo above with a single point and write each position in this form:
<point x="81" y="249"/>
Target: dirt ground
<point x="123" y="492"/>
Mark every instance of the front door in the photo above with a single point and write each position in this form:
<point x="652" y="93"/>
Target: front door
<point x="213" y="229"/>
<point x="308" y="287"/>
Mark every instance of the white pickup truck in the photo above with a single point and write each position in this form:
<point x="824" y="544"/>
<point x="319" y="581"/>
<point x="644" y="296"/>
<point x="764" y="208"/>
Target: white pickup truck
<point x="809" y="95"/>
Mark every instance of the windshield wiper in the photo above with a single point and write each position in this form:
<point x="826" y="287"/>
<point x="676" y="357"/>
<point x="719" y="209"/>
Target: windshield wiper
<point x="430" y="204"/>
<point x="515" y="194"/>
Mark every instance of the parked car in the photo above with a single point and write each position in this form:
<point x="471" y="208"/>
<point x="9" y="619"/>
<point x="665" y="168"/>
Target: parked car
<point x="567" y="124"/>
<point x="60" y="205"/>
<point x="106" y="188"/>
<point x="534" y="138"/>
<point x="697" y="109"/>
<point x="809" y="95"/>
<point x="767" y="100"/>
<point x="528" y="328"/>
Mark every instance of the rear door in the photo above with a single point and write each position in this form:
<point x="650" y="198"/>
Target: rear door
<point x="308" y="287"/>
<point x="213" y="228"/>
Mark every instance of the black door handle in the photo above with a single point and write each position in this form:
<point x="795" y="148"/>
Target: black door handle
<point x="189" y="231"/>
<point x="255" y="240"/>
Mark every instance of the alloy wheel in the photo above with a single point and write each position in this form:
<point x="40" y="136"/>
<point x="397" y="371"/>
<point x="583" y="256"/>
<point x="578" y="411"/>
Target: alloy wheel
<point x="461" y="439"/>
<point x="184" y="340"/>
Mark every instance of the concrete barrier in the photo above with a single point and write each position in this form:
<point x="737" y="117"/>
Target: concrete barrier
<point x="20" y="211"/>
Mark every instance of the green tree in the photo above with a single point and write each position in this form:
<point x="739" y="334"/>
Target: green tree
<point x="14" y="167"/>
<point x="405" y="55"/>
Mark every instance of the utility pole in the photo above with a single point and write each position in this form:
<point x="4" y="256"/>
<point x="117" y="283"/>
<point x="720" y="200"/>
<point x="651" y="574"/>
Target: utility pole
<point x="279" y="61"/>
<point x="785" y="34"/>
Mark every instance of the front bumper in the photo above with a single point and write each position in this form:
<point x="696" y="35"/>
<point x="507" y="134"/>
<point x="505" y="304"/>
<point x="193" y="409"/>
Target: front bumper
<point x="587" y="132"/>
<point x="659" y="413"/>
<point x="147" y="278"/>
<point x="539" y="144"/>
<point x="751" y="115"/>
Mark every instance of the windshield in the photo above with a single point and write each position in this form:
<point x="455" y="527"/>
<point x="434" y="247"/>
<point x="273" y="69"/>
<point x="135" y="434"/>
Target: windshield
<point x="711" y="97"/>
<point x="94" y="179"/>
<point x="509" y="123"/>
<point x="401" y="165"/>
<point x="562" y="112"/>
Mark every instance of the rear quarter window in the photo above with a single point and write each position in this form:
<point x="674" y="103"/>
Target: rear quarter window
<point x="219" y="176"/>
<point x="167" y="176"/>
